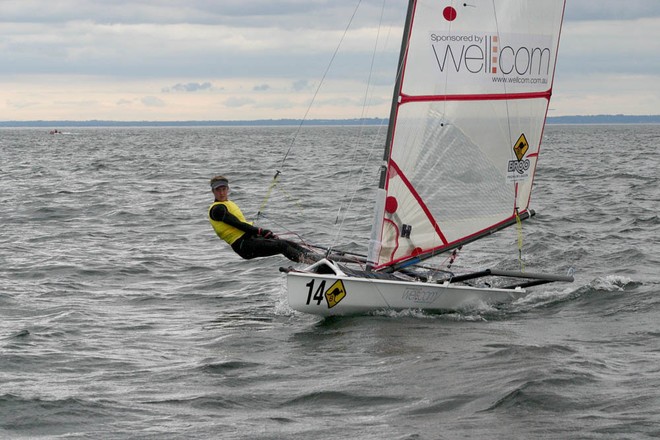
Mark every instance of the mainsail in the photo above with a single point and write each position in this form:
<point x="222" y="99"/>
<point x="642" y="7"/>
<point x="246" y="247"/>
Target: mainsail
<point x="466" y="124"/>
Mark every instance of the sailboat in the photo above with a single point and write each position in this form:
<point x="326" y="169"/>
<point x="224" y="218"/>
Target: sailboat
<point x="470" y="100"/>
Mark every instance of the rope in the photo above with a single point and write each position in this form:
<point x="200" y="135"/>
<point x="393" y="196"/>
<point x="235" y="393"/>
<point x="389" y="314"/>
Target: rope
<point x="520" y="241"/>
<point x="511" y="136"/>
<point x="453" y="256"/>
<point x="268" y="193"/>
<point x="327" y="69"/>
<point x="359" y="140"/>
<point x="309" y="107"/>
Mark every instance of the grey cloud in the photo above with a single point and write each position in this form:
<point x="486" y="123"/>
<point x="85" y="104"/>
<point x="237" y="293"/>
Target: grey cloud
<point x="189" y="87"/>
<point x="300" y="85"/>
<point x="585" y="10"/>
<point x="258" y="13"/>
<point x="152" y="101"/>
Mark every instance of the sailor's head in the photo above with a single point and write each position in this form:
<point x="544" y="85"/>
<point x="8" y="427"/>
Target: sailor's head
<point x="219" y="186"/>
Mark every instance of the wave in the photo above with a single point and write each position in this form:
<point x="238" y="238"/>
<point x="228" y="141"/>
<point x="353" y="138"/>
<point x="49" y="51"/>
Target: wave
<point x="343" y="399"/>
<point x="224" y="368"/>
<point x="613" y="283"/>
<point x="42" y="416"/>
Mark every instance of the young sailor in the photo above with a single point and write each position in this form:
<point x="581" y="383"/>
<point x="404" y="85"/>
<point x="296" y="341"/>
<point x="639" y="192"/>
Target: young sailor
<point x="246" y="240"/>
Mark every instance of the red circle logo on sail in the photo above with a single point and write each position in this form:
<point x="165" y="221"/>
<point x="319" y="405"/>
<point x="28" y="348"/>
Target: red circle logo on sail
<point x="391" y="205"/>
<point x="449" y="13"/>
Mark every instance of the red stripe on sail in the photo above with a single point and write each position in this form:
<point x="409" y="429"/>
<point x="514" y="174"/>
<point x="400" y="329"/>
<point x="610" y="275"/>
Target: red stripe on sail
<point x="419" y="200"/>
<point x="476" y="97"/>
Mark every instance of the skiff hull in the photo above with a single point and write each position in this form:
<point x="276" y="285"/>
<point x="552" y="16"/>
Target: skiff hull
<point x="330" y="294"/>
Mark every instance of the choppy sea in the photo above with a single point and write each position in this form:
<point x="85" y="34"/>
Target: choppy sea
<point x="122" y="316"/>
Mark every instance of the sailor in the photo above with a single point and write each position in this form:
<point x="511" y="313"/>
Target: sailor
<point x="246" y="240"/>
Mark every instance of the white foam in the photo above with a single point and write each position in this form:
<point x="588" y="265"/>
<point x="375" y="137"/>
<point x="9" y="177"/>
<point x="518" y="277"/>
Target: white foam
<point x="610" y="283"/>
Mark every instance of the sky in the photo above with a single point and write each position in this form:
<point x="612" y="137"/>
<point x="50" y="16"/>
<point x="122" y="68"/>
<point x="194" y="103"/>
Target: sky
<point x="181" y="60"/>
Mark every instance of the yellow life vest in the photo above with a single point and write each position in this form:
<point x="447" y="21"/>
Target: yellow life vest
<point x="228" y="233"/>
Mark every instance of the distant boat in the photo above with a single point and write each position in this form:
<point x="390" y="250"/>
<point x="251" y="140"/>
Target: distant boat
<point x="56" y="131"/>
<point x="471" y="97"/>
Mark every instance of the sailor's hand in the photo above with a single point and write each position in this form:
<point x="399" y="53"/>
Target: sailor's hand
<point x="265" y="233"/>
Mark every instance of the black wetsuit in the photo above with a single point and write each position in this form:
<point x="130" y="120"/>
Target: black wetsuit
<point x="253" y="244"/>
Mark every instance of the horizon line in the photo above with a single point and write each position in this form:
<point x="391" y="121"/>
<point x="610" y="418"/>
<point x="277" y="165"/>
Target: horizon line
<point x="292" y="121"/>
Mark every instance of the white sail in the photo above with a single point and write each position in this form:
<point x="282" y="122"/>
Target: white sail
<point x="467" y="121"/>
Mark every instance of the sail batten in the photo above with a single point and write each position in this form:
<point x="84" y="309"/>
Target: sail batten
<point x="484" y="97"/>
<point x="467" y="118"/>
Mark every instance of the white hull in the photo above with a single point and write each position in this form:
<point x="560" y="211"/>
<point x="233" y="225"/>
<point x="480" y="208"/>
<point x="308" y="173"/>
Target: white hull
<point x="339" y="294"/>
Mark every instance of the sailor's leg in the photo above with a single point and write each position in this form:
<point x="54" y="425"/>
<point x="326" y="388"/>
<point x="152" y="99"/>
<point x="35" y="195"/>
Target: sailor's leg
<point x="254" y="247"/>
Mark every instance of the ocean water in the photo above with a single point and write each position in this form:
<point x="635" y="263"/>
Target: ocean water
<point x="122" y="316"/>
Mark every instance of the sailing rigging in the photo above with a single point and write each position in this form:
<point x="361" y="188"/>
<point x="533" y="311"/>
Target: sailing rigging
<point x="468" y="111"/>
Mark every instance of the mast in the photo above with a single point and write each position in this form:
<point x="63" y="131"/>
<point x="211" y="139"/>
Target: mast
<point x="379" y="209"/>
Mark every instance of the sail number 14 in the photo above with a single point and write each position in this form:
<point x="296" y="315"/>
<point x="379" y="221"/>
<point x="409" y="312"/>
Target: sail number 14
<point x="318" y="295"/>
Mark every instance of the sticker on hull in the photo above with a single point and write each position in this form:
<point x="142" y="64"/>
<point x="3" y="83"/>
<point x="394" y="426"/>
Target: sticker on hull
<point x="335" y="294"/>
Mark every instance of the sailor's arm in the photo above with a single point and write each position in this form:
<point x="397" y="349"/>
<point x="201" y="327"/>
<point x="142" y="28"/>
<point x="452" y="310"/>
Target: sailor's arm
<point x="221" y="214"/>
